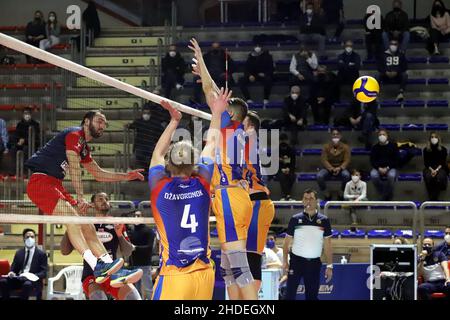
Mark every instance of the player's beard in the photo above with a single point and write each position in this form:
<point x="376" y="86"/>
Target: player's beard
<point x="93" y="132"/>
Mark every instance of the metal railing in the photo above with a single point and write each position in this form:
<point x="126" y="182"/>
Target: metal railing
<point x="19" y="175"/>
<point x="422" y="211"/>
<point x="118" y="167"/>
<point x="410" y="204"/>
<point x="126" y="147"/>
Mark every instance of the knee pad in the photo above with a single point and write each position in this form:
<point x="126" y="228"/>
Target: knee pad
<point x="98" y="295"/>
<point x="225" y="270"/>
<point x="240" y="268"/>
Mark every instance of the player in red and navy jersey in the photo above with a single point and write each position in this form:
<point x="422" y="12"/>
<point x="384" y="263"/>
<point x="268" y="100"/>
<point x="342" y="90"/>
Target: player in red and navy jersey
<point x="181" y="207"/>
<point x="64" y="154"/>
<point x="114" y="238"/>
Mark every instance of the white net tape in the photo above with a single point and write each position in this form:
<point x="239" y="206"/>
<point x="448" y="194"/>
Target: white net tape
<point x="37" y="53"/>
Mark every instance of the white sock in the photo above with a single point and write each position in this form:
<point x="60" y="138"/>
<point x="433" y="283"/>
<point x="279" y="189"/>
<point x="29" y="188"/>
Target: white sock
<point x="106" y="258"/>
<point x="89" y="257"/>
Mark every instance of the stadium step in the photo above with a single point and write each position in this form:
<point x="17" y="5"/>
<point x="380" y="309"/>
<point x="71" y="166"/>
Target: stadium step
<point x="137" y="81"/>
<point x="120" y="61"/>
<point x="127" y="41"/>
<point x="103" y="103"/>
<point x="113" y="125"/>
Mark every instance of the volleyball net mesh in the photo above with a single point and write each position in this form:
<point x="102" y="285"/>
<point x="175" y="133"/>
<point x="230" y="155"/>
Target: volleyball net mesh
<point x="57" y="93"/>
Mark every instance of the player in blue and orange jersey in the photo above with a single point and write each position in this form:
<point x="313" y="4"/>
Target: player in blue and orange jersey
<point x="64" y="154"/>
<point x="181" y="202"/>
<point x="231" y="204"/>
<point x="263" y="207"/>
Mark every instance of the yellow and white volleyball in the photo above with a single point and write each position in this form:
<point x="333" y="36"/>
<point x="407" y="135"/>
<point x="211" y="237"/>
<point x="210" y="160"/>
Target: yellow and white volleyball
<point x="366" y="89"/>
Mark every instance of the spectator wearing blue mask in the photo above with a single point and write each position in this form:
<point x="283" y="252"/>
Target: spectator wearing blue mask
<point x="444" y="246"/>
<point x="433" y="267"/>
<point x="272" y="245"/>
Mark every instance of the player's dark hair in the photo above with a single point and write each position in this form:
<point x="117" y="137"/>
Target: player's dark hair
<point x="239" y="107"/>
<point x="355" y="171"/>
<point x="311" y="191"/>
<point x="96" y="193"/>
<point x="27" y="109"/>
<point x="254" y="119"/>
<point x="24" y="232"/>
<point x="90" y="115"/>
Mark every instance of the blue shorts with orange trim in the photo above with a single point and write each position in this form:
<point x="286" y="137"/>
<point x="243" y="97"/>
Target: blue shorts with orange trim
<point x="233" y="210"/>
<point x="197" y="285"/>
<point x="262" y="216"/>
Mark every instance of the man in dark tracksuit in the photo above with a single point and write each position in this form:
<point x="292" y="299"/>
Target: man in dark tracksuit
<point x="173" y="68"/>
<point x="393" y="67"/>
<point x="259" y="67"/>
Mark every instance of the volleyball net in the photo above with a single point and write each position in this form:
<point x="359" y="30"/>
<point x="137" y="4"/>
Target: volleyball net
<point x="58" y="92"/>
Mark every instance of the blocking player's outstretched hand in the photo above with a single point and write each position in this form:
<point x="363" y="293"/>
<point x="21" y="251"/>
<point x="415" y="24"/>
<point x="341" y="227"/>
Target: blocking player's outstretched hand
<point x="220" y="102"/>
<point x="174" y="113"/>
<point x="83" y="206"/>
<point x="135" y="175"/>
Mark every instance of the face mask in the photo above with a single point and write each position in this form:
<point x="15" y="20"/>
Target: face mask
<point x="427" y="249"/>
<point x="355" y="179"/>
<point x="434" y="140"/>
<point x="309" y="11"/>
<point x="348" y="50"/>
<point x="29" y="242"/>
<point x="294" y="96"/>
<point x="447" y="238"/>
<point x="393" y="48"/>
<point x="52" y="18"/>
<point x="146" y="116"/>
<point x="257" y="49"/>
<point x="382" y="138"/>
<point x="335" y="140"/>
<point x="270" y="244"/>
<point x="172" y="54"/>
<point x="27" y="117"/>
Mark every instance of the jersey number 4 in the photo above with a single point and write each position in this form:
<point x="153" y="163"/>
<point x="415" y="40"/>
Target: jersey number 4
<point x="186" y="217"/>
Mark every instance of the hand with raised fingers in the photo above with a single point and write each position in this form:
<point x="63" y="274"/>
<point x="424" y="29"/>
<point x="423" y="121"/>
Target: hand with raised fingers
<point x="174" y="113"/>
<point x="220" y="102"/>
<point x="135" y="175"/>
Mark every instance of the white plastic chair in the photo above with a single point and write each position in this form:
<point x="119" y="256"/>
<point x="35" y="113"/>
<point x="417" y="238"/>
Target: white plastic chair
<point x="74" y="289"/>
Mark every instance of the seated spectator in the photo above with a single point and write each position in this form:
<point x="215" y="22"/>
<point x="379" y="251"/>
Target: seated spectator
<point x="258" y="67"/>
<point x="4" y="147"/>
<point x="52" y="32"/>
<point x="396" y="26"/>
<point x="173" y="68"/>
<point x="302" y="67"/>
<point x="286" y="174"/>
<point x="360" y="116"/>
<point x="215" y="60"/>
<point x="335" y="158"/>
<point x="392" y="68"/>
<point x="439" y="26"/>
<point x="349" y="63"/>
<point x="384" y="159"/>
<point x="312" y="28"/>
<point x="323" y="95"/>
<point x="433" y="267"/>
<point x="295" y="113"/>
<point x="271" y="243"/>
<point x="334" y="14"/>
<point x="373" y="39"/>
<point x="35" y="32"/>
<point x="27" y="260"/>
<point x="22" y="132"/>
<point x="444" y="246"/>
<point x="435" y="173"/>
<point x="148" y="129"/>
<point x="400" y="240"/>
<point x="143" y="239"/>
<point x="355" y="190"/>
